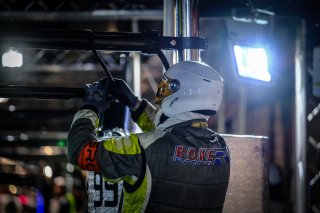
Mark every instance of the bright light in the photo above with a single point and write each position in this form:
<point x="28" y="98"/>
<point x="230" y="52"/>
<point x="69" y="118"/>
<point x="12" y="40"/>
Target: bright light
<point x="70" y="167"/>
<point x="252" y="62"/>
<point x="12" y="108"/>
<point x="13" y="189"/>
<point x="47" y="171"/>
<point x="3" y="100"/>
<point x="12" y="58"/>
<point x="47" y="150"/>
<point x="61" y="143"/>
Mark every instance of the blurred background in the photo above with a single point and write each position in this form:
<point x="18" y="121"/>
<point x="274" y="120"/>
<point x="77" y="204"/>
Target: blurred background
<point x="280" y="101"/>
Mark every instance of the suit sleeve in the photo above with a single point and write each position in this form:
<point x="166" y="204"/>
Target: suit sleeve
<point x="144" y="116"/>
<point x="117" y="159"/>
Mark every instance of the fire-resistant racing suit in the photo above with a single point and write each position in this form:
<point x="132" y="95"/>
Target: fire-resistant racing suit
<point x="182" y="168"/>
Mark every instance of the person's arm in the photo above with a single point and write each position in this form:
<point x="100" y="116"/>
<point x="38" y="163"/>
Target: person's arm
<point x="142" y="112"/>
<point x="144" y="115"/>
<point x="117" y="159"/>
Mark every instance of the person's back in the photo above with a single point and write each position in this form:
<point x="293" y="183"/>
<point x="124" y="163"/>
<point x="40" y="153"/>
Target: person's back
<point x="189" y="168"/>
<point x="177" y="164"/>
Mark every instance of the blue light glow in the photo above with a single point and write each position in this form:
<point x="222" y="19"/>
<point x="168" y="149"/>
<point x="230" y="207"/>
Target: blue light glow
<point x="252" y="62"/>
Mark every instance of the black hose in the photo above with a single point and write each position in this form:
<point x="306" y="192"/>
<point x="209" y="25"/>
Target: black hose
<point x="164" y="60"/>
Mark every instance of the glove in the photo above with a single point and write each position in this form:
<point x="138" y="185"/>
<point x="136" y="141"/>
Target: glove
<point x="96" y="95"/>
<point x="120" y="90"/>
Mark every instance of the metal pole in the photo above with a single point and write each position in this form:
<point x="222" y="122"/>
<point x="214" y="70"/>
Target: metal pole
<point x="189" y="26"/>
<point x="300" y="119"/>
<point x="136" y="81"/>
<point x="169" y="29"/>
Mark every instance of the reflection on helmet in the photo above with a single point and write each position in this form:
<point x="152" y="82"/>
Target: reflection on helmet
<point x="166" y="87"/>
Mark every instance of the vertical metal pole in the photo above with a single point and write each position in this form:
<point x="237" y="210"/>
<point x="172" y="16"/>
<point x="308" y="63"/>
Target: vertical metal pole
<point x="181" y="18"/>
<point x="169" y="28"/>
<point x="184" y="25"/>
<point x="300" y="119"/>
<point x="189" y="26"/>
<point x="136" y="69"/>
<point x="137" y="74"/>
<point x="135" y="81"/>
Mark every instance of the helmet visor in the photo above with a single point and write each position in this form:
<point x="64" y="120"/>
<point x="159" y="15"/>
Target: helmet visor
<point x="166" y="87"/>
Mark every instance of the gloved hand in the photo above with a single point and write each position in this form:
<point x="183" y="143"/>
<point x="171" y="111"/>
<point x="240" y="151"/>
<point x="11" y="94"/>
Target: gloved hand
<point x="120" y="90"/>
<point x="96" y="95"/>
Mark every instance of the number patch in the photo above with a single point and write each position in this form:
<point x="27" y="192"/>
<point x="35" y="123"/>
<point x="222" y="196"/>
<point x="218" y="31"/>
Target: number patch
<point x="103" y="196"/>
<point x="98" y="186"/>
<point x="88" y="157"/>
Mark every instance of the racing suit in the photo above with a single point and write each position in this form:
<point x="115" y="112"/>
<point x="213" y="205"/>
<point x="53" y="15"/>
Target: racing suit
<point x="180" y="168"/>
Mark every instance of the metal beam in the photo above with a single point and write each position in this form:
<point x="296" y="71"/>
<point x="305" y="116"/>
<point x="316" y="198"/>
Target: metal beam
<point x="60" y="93"/>
<point x="96" y="15"/>
<point x="147" y="42"/>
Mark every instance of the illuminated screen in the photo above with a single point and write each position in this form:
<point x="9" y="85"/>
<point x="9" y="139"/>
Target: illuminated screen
<point x="252" y="62"/>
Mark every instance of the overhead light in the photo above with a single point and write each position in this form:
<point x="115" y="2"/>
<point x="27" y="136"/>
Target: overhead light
<point x="47" y="171"/>
<point x="251" y="20"/>
<point x="252" y="15"/>
<point x="252" y="62"/>
<point x="12" y="58"/>
<point x="3" y="100"/>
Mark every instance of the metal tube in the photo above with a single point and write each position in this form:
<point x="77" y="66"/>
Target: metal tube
<point x="300" y="119"/>
<point x="137" y="74"/>
<point x="189" y="26"/>
<point x="59" y="93"/>
<point x="185" y="25"/>
<point x="169" y="23"/>
<point x="147" y="42"/>
<point x="136" y="68"/>
<point x="84" y="40"/>
<point x="96" y="15"/>
<point x="194" y="27"/>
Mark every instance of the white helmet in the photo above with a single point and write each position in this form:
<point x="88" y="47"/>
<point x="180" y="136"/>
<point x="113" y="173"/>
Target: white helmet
<point x="190" y="86"/>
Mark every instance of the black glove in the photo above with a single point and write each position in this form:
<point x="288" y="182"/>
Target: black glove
<point x="120" y="90"/>
<point x="96" y="95"/>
